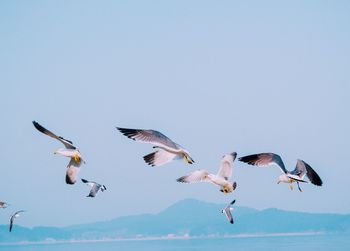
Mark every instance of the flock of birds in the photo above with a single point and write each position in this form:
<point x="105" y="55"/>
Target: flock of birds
<point x="166" y="151"/>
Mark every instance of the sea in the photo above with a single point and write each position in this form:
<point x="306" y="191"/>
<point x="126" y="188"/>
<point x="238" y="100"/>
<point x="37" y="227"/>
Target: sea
<point x="321" y="242"/>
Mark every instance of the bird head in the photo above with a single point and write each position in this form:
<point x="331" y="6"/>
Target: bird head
<point x="59" y="151"/>
<point x="226" y="189"/>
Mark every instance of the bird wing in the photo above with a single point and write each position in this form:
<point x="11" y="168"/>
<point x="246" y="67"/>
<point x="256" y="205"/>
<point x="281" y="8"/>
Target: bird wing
<point x="264" y="159"/>
<point x="228" y="214"/>
<point x="159" y="157"/>
<point x="18" y="212"/>
<point x="149" y="136"/>
<point x="231" y="203"/>
<point x="15" y="215"/>
<point x="72" y="170"/>
<point x="310" y="173"/>
<point x="300" y="169"/>
<point x="67" y="143"/>
<point x="11" y="222"/>
<point x="89" y="183"/>
<point x="225" y="170"/>
<point x="195" y="176"/>
<point x="94" y="190"/>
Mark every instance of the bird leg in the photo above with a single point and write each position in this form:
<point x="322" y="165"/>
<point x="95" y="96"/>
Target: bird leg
<point x="299" y="187"/>
<point x="291" y="185"/>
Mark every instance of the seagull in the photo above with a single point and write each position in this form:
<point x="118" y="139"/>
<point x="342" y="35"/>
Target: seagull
<point x="15" y="215"/>
<point x="70" y="151"/>
<point x="297" y="175"/>
<point x="95" y="187"/>
<point x="3" y="204"/>
<point x="167" y="149"/>
<point x="227" y="211"/>
<point x="221" y="178"/>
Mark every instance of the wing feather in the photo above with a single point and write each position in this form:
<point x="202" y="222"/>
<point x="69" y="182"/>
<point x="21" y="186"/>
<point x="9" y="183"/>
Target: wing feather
<point x="228" y="215"/>
<point x="311" y="173"/>
<point x="67" y="143"/>
<point x="159" y="158"/>
<point x="225" y="170"/>
<point x="149" y="136"/>
<point x="264" y="159"/>
<point x="195" y="176"/>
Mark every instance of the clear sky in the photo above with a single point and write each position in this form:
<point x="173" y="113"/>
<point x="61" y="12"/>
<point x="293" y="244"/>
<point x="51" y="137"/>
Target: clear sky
<point x="214" y="76"/>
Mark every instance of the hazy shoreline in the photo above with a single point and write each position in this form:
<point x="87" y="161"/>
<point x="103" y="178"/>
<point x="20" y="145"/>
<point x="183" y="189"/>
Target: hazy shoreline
<point x="160" y="238"/>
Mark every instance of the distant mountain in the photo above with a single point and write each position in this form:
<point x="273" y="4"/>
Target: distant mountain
<point x="187" y="218"/>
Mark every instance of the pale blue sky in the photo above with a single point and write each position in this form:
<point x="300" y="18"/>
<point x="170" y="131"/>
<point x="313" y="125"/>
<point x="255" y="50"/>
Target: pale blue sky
<point x="214" y="76"/>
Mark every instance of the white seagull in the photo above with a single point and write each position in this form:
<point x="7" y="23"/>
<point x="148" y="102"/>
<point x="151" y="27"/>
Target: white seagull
<point x="95" y="187"/>
<point x="167" y="151"/>
<point x="221" y="178"/>
<point x="13" y="217"/>
<point x="227" y="211"/>
<point x="70" y="151"/>
<point x="3" y="204"/>
<point x="297" y="175"/>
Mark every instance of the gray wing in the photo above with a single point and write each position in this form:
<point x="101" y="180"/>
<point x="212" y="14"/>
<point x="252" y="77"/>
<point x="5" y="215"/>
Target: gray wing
<point x="94" y="190"/>
<point x="67" y="143"/>
<point x="94" y="187"/>
<point x="228" y="214"/>
<point x="159" y="157"/>
<point x="303" y="168"/>
<point x="264" y="159"/>
<point x="149" y="136"/>
<point x="230" y="204"/>
<point x="300" y="169"/>
<point x="226" y="164"/>
<point x="195" y="176"/>
<point x="16" y="214"/>
<point x="73" y="169"/>
<point x="20" y="211"/>
<point x="11" y="222"/>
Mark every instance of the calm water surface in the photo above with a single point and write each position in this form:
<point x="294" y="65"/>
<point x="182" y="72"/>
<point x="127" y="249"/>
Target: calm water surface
<point x="299" y="243"/>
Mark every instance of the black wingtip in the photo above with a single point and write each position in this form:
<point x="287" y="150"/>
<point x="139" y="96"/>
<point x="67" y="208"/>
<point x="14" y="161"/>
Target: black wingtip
<point x="249" y="159"/>
<point x="84" y="180"/>
<point x="38" y="126"/>
<point x="231" y="221"/>
<point x="312" y="175"/>
<point x="149" y="158"/>
<point x="130" y="133"/>
<point x="181" y="179"/>
<point x="69" y="181"/>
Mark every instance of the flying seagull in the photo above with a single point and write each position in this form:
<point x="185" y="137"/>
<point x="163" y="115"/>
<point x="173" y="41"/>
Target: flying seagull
<point x="70" y="151"/>
<point x="221" y="178"/>
<point x="3" y="204"/>
<point x="297" y="175"/>
<point x="13" y="217"/>
<point x="227" y="211"/>
<point x="167" y="151"/>
<point x="95" y="187"/>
